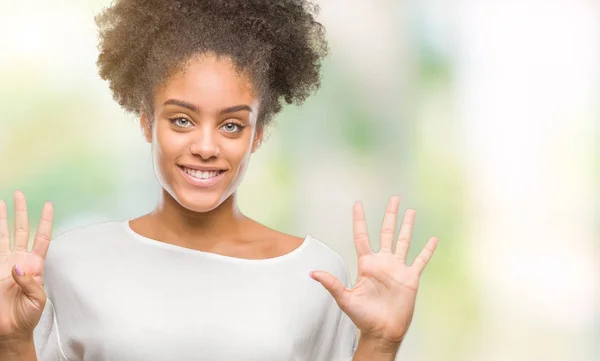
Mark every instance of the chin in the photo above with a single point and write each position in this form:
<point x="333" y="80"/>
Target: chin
<point x="200" y="202"/>
<point x="199" y="199"/>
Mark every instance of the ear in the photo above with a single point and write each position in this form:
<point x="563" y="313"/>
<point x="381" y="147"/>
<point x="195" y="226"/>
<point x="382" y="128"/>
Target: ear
<point x="258" y="138"/>
<point x="146" y="124"/>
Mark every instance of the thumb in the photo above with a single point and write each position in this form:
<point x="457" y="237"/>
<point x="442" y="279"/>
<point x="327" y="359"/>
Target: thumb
<point x="333" y="285"/>
<point x="30" y="287"/>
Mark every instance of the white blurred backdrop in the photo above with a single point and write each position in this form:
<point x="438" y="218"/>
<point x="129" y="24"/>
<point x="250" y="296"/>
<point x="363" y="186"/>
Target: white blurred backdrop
<point x="482" y="115"/>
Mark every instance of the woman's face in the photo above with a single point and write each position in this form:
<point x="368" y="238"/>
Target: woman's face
<point x="203" y="132"/>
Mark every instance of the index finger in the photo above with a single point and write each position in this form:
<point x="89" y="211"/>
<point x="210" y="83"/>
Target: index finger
<point x="44" y="231"/>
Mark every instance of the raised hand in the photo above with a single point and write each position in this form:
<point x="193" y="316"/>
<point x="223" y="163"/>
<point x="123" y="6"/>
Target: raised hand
<point x="381" y="303"/>
<point x="22" y="296"/>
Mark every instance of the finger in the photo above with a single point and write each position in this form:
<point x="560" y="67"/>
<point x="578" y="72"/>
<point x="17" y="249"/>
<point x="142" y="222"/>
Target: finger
<point x="44" y="231"/>
<point x="4" y="232"/>
<point x="361" y="234"/>
<point x="388" y="229"/>
<point x="334" y="286"/>
<point x="423" y="258"/>
<point x="21" y="222"/>
<point x="30" y="287"/>
<point x="403" y="242"/>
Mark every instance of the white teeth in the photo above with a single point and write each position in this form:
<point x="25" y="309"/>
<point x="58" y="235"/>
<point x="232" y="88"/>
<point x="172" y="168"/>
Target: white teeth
<point x="201" y="174"/>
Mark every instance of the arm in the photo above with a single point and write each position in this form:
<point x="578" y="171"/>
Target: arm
<point x="375" y="350"/>
<point x="22" y="294"/>
<point x="382" y="302"/>
<point x="18" y="350"/>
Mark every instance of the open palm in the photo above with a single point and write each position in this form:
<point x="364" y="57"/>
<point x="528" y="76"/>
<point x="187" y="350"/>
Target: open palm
<point x="21" y="272"/>
<point x="381" y="303"/>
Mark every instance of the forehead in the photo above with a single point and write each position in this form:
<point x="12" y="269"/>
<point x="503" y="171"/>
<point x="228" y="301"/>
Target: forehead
<point x="208" y="81"/>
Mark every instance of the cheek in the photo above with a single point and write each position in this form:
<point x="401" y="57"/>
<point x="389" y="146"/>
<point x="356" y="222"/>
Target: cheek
<point x="168" y="144"/>
<point x="242" y="163"/>
<point x="238" y="151"/>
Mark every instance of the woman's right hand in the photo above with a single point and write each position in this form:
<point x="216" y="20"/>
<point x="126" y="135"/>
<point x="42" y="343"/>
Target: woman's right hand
<point x="22" y="295"/>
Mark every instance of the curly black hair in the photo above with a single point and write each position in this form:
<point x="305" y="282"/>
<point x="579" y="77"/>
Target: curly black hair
<point x="278" y="43"/>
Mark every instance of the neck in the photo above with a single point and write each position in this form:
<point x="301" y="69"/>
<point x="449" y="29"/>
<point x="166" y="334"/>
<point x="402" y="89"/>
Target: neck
<point x="172" y="221"/>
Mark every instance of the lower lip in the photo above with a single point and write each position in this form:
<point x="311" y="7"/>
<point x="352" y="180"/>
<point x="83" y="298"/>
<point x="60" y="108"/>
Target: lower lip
<point x="203" y="183"/>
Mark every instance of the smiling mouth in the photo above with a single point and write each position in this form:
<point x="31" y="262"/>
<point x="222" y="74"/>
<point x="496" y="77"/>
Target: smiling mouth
<point x="199" y="174"/>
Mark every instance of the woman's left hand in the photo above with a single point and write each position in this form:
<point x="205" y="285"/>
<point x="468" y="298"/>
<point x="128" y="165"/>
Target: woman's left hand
<point x="382" y="302"/>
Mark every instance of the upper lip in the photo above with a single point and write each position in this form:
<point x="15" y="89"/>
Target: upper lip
<point x="203" y="168"/>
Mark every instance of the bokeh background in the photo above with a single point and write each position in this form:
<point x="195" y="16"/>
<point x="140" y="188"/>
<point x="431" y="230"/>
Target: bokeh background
<point x="482" y="115"/>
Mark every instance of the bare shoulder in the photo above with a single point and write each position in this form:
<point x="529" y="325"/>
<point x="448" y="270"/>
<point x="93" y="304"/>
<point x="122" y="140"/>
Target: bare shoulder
<point x="279" y="243"/>
<point x="273" y="241"/>
<point x="283" y="243"/>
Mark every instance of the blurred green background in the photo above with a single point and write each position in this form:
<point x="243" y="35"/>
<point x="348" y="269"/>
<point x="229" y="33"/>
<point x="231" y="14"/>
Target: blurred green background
<point x="482" y="116"/>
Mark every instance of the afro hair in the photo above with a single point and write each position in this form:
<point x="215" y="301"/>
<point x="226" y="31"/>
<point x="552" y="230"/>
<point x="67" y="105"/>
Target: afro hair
<point x="278" y="43"/>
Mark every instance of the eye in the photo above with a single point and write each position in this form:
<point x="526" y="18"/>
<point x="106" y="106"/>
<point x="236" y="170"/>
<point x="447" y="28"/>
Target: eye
<point x="181" y="122"/>
<point x="232" y="127"/>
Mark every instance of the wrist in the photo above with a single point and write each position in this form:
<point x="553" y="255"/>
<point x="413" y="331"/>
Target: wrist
<point x="19" y="347"/>
<point x="376" y="349"/>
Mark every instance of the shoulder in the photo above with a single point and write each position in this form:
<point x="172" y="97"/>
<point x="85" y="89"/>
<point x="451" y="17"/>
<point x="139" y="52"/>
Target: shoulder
<point x="313" y="252"/>
<point x="317" y="250"/>
<point x="82" y="240"/>
<point x="328" y="259"/>
<point x="75" y="255"/>
<point x="89" y="232"/>
<point x="324" y="250"/>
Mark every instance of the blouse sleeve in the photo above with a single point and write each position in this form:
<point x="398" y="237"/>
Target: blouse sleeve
<point x="46" y="337"/>
<point x="345" y="340"/>
<point x="347" y="329"/>
<point x="334" y="337"/>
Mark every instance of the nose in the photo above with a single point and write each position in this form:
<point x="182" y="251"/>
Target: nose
<point x="204" y="145"/>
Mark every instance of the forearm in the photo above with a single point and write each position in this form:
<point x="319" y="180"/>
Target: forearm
<point x="375" y="350"/>
<point x="18" y="350"/>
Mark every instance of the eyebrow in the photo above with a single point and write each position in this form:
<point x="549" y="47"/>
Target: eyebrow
<point x="192" y="107"/>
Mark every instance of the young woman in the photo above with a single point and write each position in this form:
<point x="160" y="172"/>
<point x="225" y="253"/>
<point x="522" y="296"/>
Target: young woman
<point x="196" y="279"/>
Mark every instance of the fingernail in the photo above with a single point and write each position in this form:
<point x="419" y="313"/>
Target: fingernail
<point x="18" y="270"/>
<point x="310" y="274"/>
